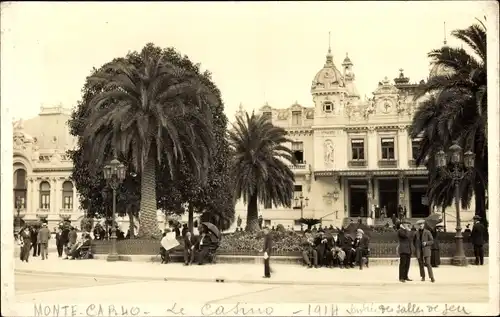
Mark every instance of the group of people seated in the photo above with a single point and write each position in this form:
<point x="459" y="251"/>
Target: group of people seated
<point x="81" y="249"/>
<point x="199" y="249"/>
<point x="341" y="251"/>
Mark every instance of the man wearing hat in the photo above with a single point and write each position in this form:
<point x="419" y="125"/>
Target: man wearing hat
<point x="477" y="237"/>
<point x="361" y="245"/>
<point x="320" y="243"/>
<point x="404" y="250"/>
<point x="422" y="240"/>
<point x="43" y="239"/>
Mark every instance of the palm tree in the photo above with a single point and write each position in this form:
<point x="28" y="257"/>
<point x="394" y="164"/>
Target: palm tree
<point x="259" y="165"/>
<point x="454" y="108"/>
<point x="148" y="110"/>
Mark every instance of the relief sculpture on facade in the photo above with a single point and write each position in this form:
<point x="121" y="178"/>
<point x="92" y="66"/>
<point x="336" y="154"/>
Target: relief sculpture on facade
<point x="283" y="114"/>
<point x="328" y="148"/>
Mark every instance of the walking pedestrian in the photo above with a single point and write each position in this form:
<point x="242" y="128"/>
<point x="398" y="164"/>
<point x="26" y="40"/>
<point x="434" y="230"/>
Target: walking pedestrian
<point x="422" y="240"/>
<point x="267" y="252"/>
<point x="404" y="250"/>
<point x="25" y="238"/>
<point x="43" y="240"/>
<point x="435" y="254"/>
<point x="34" y="241"/>
<point x="477" y="238"/>
<point x="59" y="242"/>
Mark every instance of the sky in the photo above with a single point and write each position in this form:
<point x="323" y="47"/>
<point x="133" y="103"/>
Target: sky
<point x="257" y="52"/>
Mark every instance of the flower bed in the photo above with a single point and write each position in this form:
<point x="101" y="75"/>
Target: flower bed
<point x="286" y="243"/>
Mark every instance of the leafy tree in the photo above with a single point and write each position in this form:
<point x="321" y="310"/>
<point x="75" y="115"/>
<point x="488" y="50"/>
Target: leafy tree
<point x="171" y="185"/>
<point x="259" y="166"/>
<point x="454" y="109"/>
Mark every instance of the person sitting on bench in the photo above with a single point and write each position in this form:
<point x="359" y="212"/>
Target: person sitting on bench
<point x="202" y="246"/>
<point x="84" y="242"/>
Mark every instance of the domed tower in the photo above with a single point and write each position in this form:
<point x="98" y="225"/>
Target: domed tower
<point x="440" y="70"/>
<point x="328" y="89"/>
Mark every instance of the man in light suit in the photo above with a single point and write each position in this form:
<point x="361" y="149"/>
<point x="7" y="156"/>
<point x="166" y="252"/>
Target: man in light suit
<point x="422" y="240"/>
<point x="43" y="238"/>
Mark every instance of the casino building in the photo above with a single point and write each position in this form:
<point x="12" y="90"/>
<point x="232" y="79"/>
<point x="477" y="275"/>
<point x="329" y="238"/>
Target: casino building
<point x="352" y="153"/>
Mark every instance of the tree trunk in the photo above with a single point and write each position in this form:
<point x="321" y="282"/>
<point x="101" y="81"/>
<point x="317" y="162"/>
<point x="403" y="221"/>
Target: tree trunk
<point x="190" y="218"/>
<point x="252" y="214"/>
<point x="147" y="213"/>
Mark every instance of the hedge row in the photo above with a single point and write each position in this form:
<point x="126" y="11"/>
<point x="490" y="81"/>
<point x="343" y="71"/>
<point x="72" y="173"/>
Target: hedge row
<point x="285" y="243"/>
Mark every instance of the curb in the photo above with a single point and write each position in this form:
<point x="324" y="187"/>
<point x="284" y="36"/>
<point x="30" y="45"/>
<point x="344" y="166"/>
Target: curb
<point x="234" y="281"/>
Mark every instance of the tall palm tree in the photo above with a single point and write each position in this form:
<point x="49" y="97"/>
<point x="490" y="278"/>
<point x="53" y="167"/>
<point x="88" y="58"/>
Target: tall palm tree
<point x="259" y="165"/>
<point x="148" y="110"/>
<point x="454" y="108"/>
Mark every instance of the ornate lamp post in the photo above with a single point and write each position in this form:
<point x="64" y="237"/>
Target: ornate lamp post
<point x="456" y="173"/>
<point x="114" y="173"/>
<point x="302" y="205"/>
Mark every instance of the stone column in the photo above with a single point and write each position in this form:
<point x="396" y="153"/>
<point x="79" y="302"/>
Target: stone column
<point x="372" y="143"/>
<point x="369" y="193"/>
<point x="401" y="189"/>
<point x="35" y="197"/>
<point x="54" y="208"/>
<point x="403" y="155"/>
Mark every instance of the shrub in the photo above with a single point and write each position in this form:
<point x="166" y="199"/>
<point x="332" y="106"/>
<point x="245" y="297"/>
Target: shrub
<point x="283" y="241"/>
<point x="280" y="228"/>
<point x="86" y="224"/>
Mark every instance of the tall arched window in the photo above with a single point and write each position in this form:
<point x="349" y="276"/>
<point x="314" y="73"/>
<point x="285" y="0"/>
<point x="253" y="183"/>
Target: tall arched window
<point x="67" y="195"/>
<point x="44" y="195"/>
<point x="20" y="188"/>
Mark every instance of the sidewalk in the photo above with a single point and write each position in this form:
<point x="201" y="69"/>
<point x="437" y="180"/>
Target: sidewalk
<point x="249" y="273"/>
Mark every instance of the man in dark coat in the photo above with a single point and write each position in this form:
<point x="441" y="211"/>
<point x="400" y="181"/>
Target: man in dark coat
<point x="188" y="248"/>
<point x="34" y="240"/>
<point x="435" y="257"/>
<point x="202" y="246"/>
<point x="268" y="245"/>
<point x="309" y="252"/>
<point x="404" y="250"/>
<point x="320" y="245"/>
<point x="59" y="242"/>
<point x="477" y="238"/>
<point x="361" y="246"/>
<point x="345" y="242"/>
<point x="422" y="240"/>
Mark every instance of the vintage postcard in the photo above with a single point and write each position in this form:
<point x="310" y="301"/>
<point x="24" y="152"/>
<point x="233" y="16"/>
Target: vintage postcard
<point x="250" y="158"/>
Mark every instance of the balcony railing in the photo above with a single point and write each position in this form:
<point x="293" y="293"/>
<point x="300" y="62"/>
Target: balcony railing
<point x="388" y="163"/>
<point x="299" y="168"/>
<point x="357" y="163"/>
<point x="22" y="212"/>
<point x="42" y="213"/>
<point x="65" y="213"/>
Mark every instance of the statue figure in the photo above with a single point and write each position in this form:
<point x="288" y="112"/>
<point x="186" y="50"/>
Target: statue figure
<point x="329" y="158"/>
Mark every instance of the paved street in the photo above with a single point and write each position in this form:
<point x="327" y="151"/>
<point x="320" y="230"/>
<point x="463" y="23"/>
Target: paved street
<point x="40" y="288"/>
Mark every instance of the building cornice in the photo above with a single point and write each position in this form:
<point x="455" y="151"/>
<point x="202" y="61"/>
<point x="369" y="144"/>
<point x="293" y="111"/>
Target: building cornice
<point x="374" y="173"/>
<point x="52" y="169"/>
<point x="299" y="131"/>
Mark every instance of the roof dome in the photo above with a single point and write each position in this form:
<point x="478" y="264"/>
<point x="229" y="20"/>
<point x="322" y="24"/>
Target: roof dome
<point x="439" y="70"/>
<point x="329" y="76"/>
<point x="347" y="60"/>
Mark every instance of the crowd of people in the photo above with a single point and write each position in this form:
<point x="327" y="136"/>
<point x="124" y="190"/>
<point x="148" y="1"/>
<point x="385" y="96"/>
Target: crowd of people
<point x="35" y="238"/>
<point x="341" y="250"/>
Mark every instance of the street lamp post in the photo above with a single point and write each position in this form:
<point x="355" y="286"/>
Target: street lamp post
<point x="457" y="173"/>
<point x="301" y="200"/>
<point x="114" y="173"/>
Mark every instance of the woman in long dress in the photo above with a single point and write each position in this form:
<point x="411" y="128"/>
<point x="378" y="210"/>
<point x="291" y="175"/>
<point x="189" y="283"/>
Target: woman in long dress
<point x="25" y="240"/>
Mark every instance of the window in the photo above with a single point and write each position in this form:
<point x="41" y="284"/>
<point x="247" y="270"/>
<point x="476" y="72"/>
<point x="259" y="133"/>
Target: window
<point x="20" y="188"/>
<point x="297" y="193"/>
<point x="358" y="149"/>
<point x="298" y="152"/>
<point x="297" y="223"/>
<point x="328" y="106"/>
<point x="268" y="205"/>
<point x="297" y="117"/>
<point x="68" y="195"/>
<point x="387" y="146"/>
<point x="44" y="195"/>
<point x="267" y="223"/>
<point x="267" y="115"/>
<point x="415" y="146"/>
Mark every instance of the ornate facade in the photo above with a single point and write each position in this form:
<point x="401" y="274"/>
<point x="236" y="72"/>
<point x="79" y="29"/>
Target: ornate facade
<point x="42" y="168"/>
<point x="353" y="154"/>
